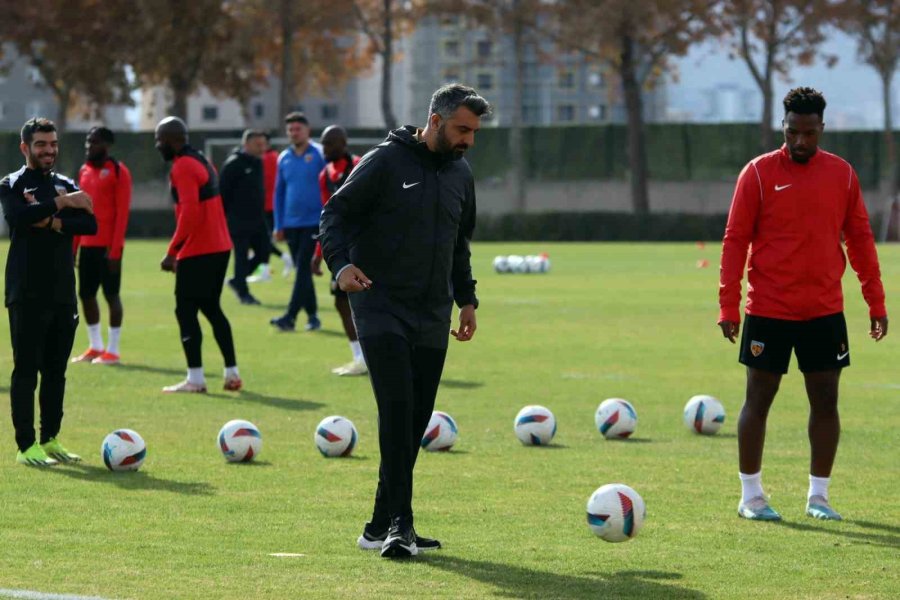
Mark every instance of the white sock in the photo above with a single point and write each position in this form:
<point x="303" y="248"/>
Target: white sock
<point x="751" y="486"/>
<point x="231" y="372"/>
<point x="818" y="486"/>
<point x="196" y="376"/>
<point x="94" y="336"/>
<point x="114" y="333"/>
<point x="356" y="349"/>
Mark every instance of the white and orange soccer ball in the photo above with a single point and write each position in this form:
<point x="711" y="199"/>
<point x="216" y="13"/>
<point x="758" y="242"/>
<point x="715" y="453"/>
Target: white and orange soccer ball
<point x="704" y="415"/>
<point x="615" y="512"/>
<point x="441" y="433"/>
<point x="239" y="441"/>
<point x="123" y="450"/>
<point x="616" y="418"/>
<point x="335" y="436"/>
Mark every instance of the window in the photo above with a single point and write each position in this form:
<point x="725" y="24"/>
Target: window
<point x="451" y="75"/>
<point x="595" y="79"/>
<point x="531" y="114"/>
<point x="565" y="79"/>
<point x="34" y="76"/>
<point x="259" y="110"/>
<point x="484" y="81"/>
<point x="450" y="21"/>
<point x="210" y="113"/>
<point x="451" y="49"/>
<point x="565" y="113"/>
<point x="329" y="111"/>
<point x="597" y="112"/>
<point x="485" y="48"/>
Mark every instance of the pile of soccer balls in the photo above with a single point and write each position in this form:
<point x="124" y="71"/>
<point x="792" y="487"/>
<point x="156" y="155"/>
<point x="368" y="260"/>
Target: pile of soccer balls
<point x="522" y="264"/>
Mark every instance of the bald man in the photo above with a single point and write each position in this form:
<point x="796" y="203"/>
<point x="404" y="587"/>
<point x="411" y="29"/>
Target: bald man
<point x="198" y="254"/>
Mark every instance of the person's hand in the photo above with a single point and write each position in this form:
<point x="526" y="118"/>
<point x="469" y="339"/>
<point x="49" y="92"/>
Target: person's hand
<point x="316" y="265"/>
<point x="879" y="328"/>
<point x="42" y="223"/>
<point x="115" y="265"/>
<point x="353" y="280"/>
<point x="76" y="200"/>
<point x="730" y="330"/>
<point x="467" y="324"/>
<point x="168" y="263"/>
<point x="278" y="235"/>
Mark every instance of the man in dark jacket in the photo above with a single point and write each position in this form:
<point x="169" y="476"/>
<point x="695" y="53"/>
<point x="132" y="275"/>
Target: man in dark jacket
<point x="43" y="210"/>
<point x="243" y="197"/>
<point x="397" y="236"/>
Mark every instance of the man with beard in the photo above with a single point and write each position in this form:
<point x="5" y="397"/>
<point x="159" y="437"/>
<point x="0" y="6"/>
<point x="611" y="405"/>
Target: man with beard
<point x="108" y="182"/>
<point x="198" y="254"/>
<point x="397" y="237"/>
<point x="43" y="210"/>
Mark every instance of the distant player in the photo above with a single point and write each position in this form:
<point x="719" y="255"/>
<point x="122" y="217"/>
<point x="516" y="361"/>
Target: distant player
<point x="198" y="254"/>
<point x="270" y="172"/>
<point x="792" y="208"/>
<point x="108" y="182"/>
<point x="332" y="177"/>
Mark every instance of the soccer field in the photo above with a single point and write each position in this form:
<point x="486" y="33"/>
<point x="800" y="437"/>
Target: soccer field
<point x="609" y="320"/>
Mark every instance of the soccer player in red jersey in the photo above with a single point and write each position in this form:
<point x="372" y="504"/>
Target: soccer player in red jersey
<point x="108" y="182"/>
<point x="198" y="254"/>
<point x="792" y="209"/>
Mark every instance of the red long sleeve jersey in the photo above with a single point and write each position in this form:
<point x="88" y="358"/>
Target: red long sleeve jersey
<point x="332" y="178"/>
<point x="270" y="171"/>
<point x="791" y="216"/>
<point x="110" y="188"/>
<point x="201" y="227"/>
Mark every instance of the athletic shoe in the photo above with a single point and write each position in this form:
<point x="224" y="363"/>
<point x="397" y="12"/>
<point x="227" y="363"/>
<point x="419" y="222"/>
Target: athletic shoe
<point x="262" y="274"/>
<point x="185" y="387"/>
<point x="283" y="323"/>
<point x="818" y="508"/>
<point x="757" y="509"/>
<point x="35" y="457"/>
<point x="56" y="450"/>
<point x="233" y="287"/>
<point x="370" y="540"/>
<point x="107" y="358"/>
<point x="233" y="384"/>
<point x="88" y="355"/>
<point x="288" y="264"/>
<point x="249" y="299"/>
<point x="400" y="541"/>
<point x="314" y="324"/>
<point x="351" y="369"/>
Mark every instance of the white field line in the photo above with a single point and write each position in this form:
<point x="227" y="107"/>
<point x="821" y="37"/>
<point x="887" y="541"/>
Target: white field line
<point x="35" y="595"/>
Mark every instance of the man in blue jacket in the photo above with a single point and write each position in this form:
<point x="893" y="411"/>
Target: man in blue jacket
<point x="298" y="206"/>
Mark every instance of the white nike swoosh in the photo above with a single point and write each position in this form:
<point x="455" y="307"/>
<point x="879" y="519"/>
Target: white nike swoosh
<point x="75" y="316"/>
<point x="778" y="188"/>
<point x="30" y="190"/>
<point x="406" y="187"/>
<point x="184" y="339"/>
<point x="843" y="356"/>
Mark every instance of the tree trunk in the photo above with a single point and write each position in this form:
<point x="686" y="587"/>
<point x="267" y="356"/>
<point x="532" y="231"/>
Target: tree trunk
<point x="890" y="228"/>
<point x="634" y="105"/>
<point x="767" y="136"/>
<point x="179" y="106"/>
<point x="63" y="100"/>
<point x="516" y="147"/>
<point x="286" y="99"/>
<point x="387" y="67"/>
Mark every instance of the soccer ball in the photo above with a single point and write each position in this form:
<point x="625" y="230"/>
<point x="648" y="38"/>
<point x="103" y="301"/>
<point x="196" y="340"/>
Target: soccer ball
<point x="704" y="415"/>
<point x="123" y="450"/>
<point x="239" y="441"/>
<point x="500" y="264"/>
<point x="533" y="264"/>
<point x="441" y="433"/>
<point x="535" y="426"/>
<point x="545" y="262"/>
<point x="615" y="512"/>
<point x="516" y="264"/>
<point x="616" y="418"/>
<point x="335" y="436"/>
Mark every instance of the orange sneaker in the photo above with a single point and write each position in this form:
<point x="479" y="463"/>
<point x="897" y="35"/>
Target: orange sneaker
<point x="107" y="358"/>
<point x="88" y="355"/>
<point x="233" y="384"/>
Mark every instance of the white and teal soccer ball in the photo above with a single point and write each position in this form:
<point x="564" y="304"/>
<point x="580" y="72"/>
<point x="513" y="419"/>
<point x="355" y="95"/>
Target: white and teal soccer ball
<point x="616" y="418"/>
<point x="336" y="436"/>
<point x="516" y="264"/>
<point x="441" y="433"/>
<point x="615" y="512"/>
<point x="704" y="415"/>
<point x="240" y="441"/>
<point x="501" y="265"/>
<point x="123" y="450"/>
<point x="535" y="426"/>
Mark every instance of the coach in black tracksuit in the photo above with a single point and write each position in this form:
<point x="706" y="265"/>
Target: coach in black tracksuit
<point x="40" y="279"/>
<point x="397" y="236"/>
<point x="243" y="198"/>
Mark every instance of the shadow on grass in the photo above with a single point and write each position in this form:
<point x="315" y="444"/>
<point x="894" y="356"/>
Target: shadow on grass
<point x="513" y="581"/>
<point x="249" y="463"/>
<point x="457" y="384"/>
<point x="273" y="401"/>
<point x="133" y="480"/>
<point x="546" y="447"/>
<point x="149" y="369"/>
<point x="889" y="540"/>
<point x="631" y="440"/>
<point x="873" y="525"/>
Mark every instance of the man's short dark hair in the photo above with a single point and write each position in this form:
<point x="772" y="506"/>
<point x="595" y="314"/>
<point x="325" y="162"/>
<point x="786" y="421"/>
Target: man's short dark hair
<point x="104" y="134"/>
<point x="805" y="101"/>
<point x="296" y="117"/>
<point x="448" y="98"/>
<point x="249" y="134"/>
<point x="36" y="125"/>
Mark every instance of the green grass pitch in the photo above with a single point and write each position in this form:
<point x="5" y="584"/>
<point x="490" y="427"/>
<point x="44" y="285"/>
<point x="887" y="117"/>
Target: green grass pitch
<point x="628" y="320"/>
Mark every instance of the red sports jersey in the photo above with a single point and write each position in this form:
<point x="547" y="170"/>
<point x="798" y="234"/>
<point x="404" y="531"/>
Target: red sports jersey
<point x="110" y="188"/>
<point x="201" y="227"/>
<point x="792" y="217"/>
<point x="270" y="171"/>
<point x="331" y="178"/>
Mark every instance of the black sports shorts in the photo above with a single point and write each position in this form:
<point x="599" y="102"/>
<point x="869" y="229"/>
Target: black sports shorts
<point x="821" y="344"/>
<point x="93" y="271"/>
<point x="201" y="277"/>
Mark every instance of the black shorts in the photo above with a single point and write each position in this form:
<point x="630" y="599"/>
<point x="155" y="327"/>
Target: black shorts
<point x="821" y="344"/>
<point x="93" y="271"/>
<point x="336" y="291"/>
<point x="201" y="277"/>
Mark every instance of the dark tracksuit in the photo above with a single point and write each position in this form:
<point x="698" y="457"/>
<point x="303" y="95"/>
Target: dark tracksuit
<point x="404" y="217"/>
<point x="243" y="197"/>
<point x="40" y="296"/>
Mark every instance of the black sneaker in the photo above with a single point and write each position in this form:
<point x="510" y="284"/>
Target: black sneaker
<point x="400" y="541"/>
<point x="249" y="299"/>
<point x="373" y="539"/>
<point x="283" y="323"/>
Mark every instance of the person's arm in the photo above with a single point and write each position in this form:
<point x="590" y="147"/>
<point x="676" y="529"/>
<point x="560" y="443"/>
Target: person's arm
<point x="742" y="217"/>
<point x="187" y="177"/>
<point x="461" y="272"/>
<point x="123" y="208"/>
<point x="19" y="213"/>
<point x="280" y="191"/>
<point x="227" y="184"/>
<point x="74" y="221"/>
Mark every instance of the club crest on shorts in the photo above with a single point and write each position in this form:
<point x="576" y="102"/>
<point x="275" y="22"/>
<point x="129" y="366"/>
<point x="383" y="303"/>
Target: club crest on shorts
<point x="756" y="348"/>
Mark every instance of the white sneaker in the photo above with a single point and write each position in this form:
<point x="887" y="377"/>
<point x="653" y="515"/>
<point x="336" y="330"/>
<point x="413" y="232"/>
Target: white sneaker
<point x="262" y="273"/>
<point x="185" y="387"/>
<point x="351" y="369"/>
<point x="288" y="264"/>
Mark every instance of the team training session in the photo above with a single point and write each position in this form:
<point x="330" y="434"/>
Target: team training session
<point x="452" y="299"/>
